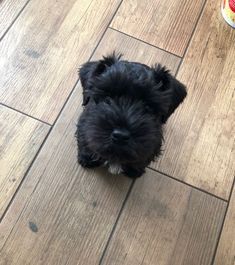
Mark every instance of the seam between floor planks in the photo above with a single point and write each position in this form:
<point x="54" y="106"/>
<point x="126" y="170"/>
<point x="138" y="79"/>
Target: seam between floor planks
<point x="14" y="20"/>
<point x="190" y="39"/>
<point x="155" y="46"/>
<point x="24" y="176"/>
<point x="135" y="38"/>
<point x="25" y="114"/>
<point x="222" y="227"/>
<point x="189" y="185"/>
<point x="117" y="220"/>
<point x="183" y="183"/>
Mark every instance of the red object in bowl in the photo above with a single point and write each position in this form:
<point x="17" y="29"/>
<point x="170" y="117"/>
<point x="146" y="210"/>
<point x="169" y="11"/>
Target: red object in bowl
<point x="232" y="5"/>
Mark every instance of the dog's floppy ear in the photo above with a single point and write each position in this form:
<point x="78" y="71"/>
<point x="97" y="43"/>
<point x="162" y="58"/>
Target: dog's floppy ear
<point x="90" y="70"/>
<point x="171" y="91"/>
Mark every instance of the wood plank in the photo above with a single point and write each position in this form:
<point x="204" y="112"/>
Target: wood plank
<point x="165" y="24"/>
<point x="9" y="9"/>
<point x="73" y="209"/>
<point x="134" y="50"/>
<point x="200" y="140"/>
<point x="20" y="139"/>
<point x="42" y="51"/>
<point x="166" y="222"/>
<point x="226" y="249"/>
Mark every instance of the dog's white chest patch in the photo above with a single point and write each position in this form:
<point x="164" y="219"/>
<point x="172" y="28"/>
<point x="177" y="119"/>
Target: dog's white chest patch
<point x="114" y="169"/>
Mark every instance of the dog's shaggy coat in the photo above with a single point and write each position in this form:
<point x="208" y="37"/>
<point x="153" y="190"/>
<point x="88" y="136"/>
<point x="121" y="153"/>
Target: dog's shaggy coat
<point x="125" y="107"/>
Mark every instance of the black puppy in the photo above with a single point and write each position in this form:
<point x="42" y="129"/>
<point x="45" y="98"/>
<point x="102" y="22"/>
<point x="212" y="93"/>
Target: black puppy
<point x="126" y="105"/>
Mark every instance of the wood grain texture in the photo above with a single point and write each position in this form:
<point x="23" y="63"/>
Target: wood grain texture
<point x="20" y="139"/>
<point x="41" y="53"/>
<point x="200" y="140"/>
<point x="165" y="24"/>
<point x="134" y="50"/>
<point x="166" y="223"/>
<point x="72" y="210"/>
<point x="226" y="249"/>
<point x="9" y="9"/>
<point x="70" y="213"/>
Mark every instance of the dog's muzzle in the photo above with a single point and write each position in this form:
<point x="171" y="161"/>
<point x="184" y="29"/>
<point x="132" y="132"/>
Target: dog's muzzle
<point x="120" y="136"/>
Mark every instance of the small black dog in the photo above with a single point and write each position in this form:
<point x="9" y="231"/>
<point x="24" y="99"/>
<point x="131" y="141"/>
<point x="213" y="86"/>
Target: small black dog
<point x="126" y="105"/>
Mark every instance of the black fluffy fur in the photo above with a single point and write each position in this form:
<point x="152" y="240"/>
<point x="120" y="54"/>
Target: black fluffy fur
<point x="129" y="96"/>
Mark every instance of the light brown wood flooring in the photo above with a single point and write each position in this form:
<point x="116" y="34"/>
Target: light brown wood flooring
<point x="52" y="211"/>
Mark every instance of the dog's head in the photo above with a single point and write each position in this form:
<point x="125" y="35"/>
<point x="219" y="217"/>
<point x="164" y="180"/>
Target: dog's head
<point x="126" y="104"/>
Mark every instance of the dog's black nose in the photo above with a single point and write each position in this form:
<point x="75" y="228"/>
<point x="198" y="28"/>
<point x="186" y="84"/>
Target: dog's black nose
<point x="120" y="135"/>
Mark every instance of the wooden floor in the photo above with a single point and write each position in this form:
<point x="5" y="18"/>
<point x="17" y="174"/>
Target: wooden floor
<point x="182" y="211"/>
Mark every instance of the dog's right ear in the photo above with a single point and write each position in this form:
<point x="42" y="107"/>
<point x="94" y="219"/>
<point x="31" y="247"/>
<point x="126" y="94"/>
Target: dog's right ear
<point x="90" y="70"/>
<point x="169" y="91"/>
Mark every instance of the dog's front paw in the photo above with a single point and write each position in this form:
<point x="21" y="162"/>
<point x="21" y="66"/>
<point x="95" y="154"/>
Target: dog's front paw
<point x="88" y="161"/>
<point x="132" y="172"/>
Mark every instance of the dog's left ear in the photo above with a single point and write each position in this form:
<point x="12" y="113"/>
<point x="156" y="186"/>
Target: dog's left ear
<point x="171" y="91"/>
<point x="89" y="70"/>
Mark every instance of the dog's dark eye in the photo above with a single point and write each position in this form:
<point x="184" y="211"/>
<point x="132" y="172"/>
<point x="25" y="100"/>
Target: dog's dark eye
<point x="107" y="100"/>
<point x="147" y="108"/>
